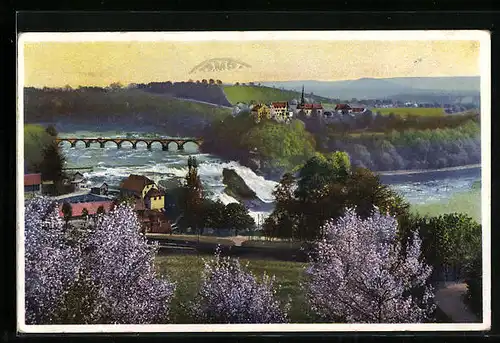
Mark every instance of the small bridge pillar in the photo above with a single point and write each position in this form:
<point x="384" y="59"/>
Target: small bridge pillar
<point x="87" y="144"/>
<point x="102" y="144"/>
<point x="118" y="145"/>
<point x="148" y="145"/>
<point x="134" y="145"/>
<point x="164" y="147"/>
<point x="73" y="144"/>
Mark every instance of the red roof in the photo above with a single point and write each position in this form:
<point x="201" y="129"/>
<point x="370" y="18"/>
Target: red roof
<point x="32" y="179"/>
<point x="90" y="206"/>
<point x="311" y="106"/>
<point x="342" y="107"/>
<point x="279" y="104"/>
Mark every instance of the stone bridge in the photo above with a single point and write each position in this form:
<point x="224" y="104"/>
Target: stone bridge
<point x="180" y="142"/>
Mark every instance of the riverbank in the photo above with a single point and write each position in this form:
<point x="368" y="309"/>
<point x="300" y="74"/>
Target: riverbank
<point x="419" y="171"/>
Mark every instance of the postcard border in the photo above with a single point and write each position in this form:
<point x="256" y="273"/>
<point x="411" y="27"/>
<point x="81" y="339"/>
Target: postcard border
<point x="485" y="60"/>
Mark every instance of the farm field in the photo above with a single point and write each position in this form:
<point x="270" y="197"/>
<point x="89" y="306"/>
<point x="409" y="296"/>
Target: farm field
<point x="405" y="111"/>
<point x="467" y="202"/>
<point x="245" y="94"/>
<point x="186" y="272"/>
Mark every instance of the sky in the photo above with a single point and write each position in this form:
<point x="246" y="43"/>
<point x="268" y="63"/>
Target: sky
<point x="56" y="64"/>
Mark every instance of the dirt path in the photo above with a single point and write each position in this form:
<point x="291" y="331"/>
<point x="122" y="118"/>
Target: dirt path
<point x="449" y="299"/>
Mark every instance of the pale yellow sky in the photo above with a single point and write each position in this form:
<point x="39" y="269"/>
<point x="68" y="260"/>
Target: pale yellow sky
<point x="55" y="64"/>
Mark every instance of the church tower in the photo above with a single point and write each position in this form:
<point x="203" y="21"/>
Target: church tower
<point x="302" y="100"/>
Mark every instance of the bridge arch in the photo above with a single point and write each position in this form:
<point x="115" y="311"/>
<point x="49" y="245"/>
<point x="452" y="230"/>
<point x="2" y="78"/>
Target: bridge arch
<point x="182" y="143"/>
<point x="135" y="142"/>
<point x="156" y="142"/>
<point x="120" y="142"/>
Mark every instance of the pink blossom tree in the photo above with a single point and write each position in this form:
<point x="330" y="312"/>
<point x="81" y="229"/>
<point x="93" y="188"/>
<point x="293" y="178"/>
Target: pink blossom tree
<point x="120" y="265"/>
<point x="361" y="274"/>
<point x="51" y="264"/>
<point x="104" y="276"/>
<point x="231" y="295"/>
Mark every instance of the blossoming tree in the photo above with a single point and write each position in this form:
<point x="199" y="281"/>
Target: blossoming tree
<point x="51" y="265"/>
<point x="361" y="274"/>
<point x="121" y="265"/>
<point x="104" y="276"/>
<point x="231" y="295"/>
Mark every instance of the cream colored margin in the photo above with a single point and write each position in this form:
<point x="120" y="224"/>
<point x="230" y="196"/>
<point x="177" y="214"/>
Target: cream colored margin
<point x="485" y="59"/>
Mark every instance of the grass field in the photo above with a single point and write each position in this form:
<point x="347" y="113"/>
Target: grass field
<point x="404" y="111"/>
<point x="186" y="271"/>
<point x="245" y="94"/>
<point x="466" y="202"/>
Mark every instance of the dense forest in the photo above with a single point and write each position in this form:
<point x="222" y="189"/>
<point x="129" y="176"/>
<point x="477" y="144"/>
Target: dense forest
<point x="412" y="149"/>
<point x="206" y="91"/>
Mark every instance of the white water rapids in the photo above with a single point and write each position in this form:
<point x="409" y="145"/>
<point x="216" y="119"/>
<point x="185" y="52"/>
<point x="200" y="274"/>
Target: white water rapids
<point x="112" y="165"/>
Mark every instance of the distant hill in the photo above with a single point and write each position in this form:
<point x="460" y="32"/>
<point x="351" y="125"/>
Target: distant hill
<point x="370" y="88"/>
<point x="201" y="92"/>
<point x="265" y="94"/>
<point x="130" y="108"/>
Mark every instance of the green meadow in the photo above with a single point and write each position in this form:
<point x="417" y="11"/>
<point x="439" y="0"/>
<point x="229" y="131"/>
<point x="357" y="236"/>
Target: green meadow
<point x="416" y="111"/>
<point x="186" y="272"/>
<point x="466" y="202"/>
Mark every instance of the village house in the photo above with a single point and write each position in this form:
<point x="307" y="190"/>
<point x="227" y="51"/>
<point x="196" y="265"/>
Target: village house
<point x="259" y="112"/>
<point x="101" y="190"/>
<point x="32" y="184"/>
<point x="308" y="109"/>
<point x="279" y="111"/>
<point x="77" y="182"/>
<point x="141" y="187"/>
<point x="350" y="108"/>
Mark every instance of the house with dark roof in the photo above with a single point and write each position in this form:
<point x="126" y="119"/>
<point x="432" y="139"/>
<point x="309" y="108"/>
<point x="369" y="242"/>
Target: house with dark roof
<point x="136" y="185"/>
<point x="32" y="184"/>
<point x="77" y="181"/>
<point x="154" y="199"/>
<point x="350" y="108"/>
<point x="101" y="190"/>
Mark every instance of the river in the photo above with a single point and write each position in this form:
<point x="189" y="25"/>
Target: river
<point x="112" y="165"/>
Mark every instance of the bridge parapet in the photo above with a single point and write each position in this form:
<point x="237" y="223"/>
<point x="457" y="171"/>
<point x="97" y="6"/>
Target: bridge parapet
<point x="180" y="142"/>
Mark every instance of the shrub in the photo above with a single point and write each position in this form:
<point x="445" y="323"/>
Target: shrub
<point x="231" y="295"/>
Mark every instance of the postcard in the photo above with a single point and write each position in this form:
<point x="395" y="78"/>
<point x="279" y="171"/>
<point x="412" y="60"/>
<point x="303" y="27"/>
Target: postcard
<point x="253" y="181"/>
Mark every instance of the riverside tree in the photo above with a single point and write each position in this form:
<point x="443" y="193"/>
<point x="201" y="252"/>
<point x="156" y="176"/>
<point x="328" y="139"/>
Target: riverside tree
<point x="323" y="188"/>
<point x="193" y="195"/>
<point x="231" y="295"/>
<point x="359" y="275"/>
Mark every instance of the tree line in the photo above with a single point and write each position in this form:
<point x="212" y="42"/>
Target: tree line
<point x="411" y="149"/>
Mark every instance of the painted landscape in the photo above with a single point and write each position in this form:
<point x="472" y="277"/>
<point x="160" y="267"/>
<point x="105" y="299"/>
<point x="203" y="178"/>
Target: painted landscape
<point x="224" y="187"/>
